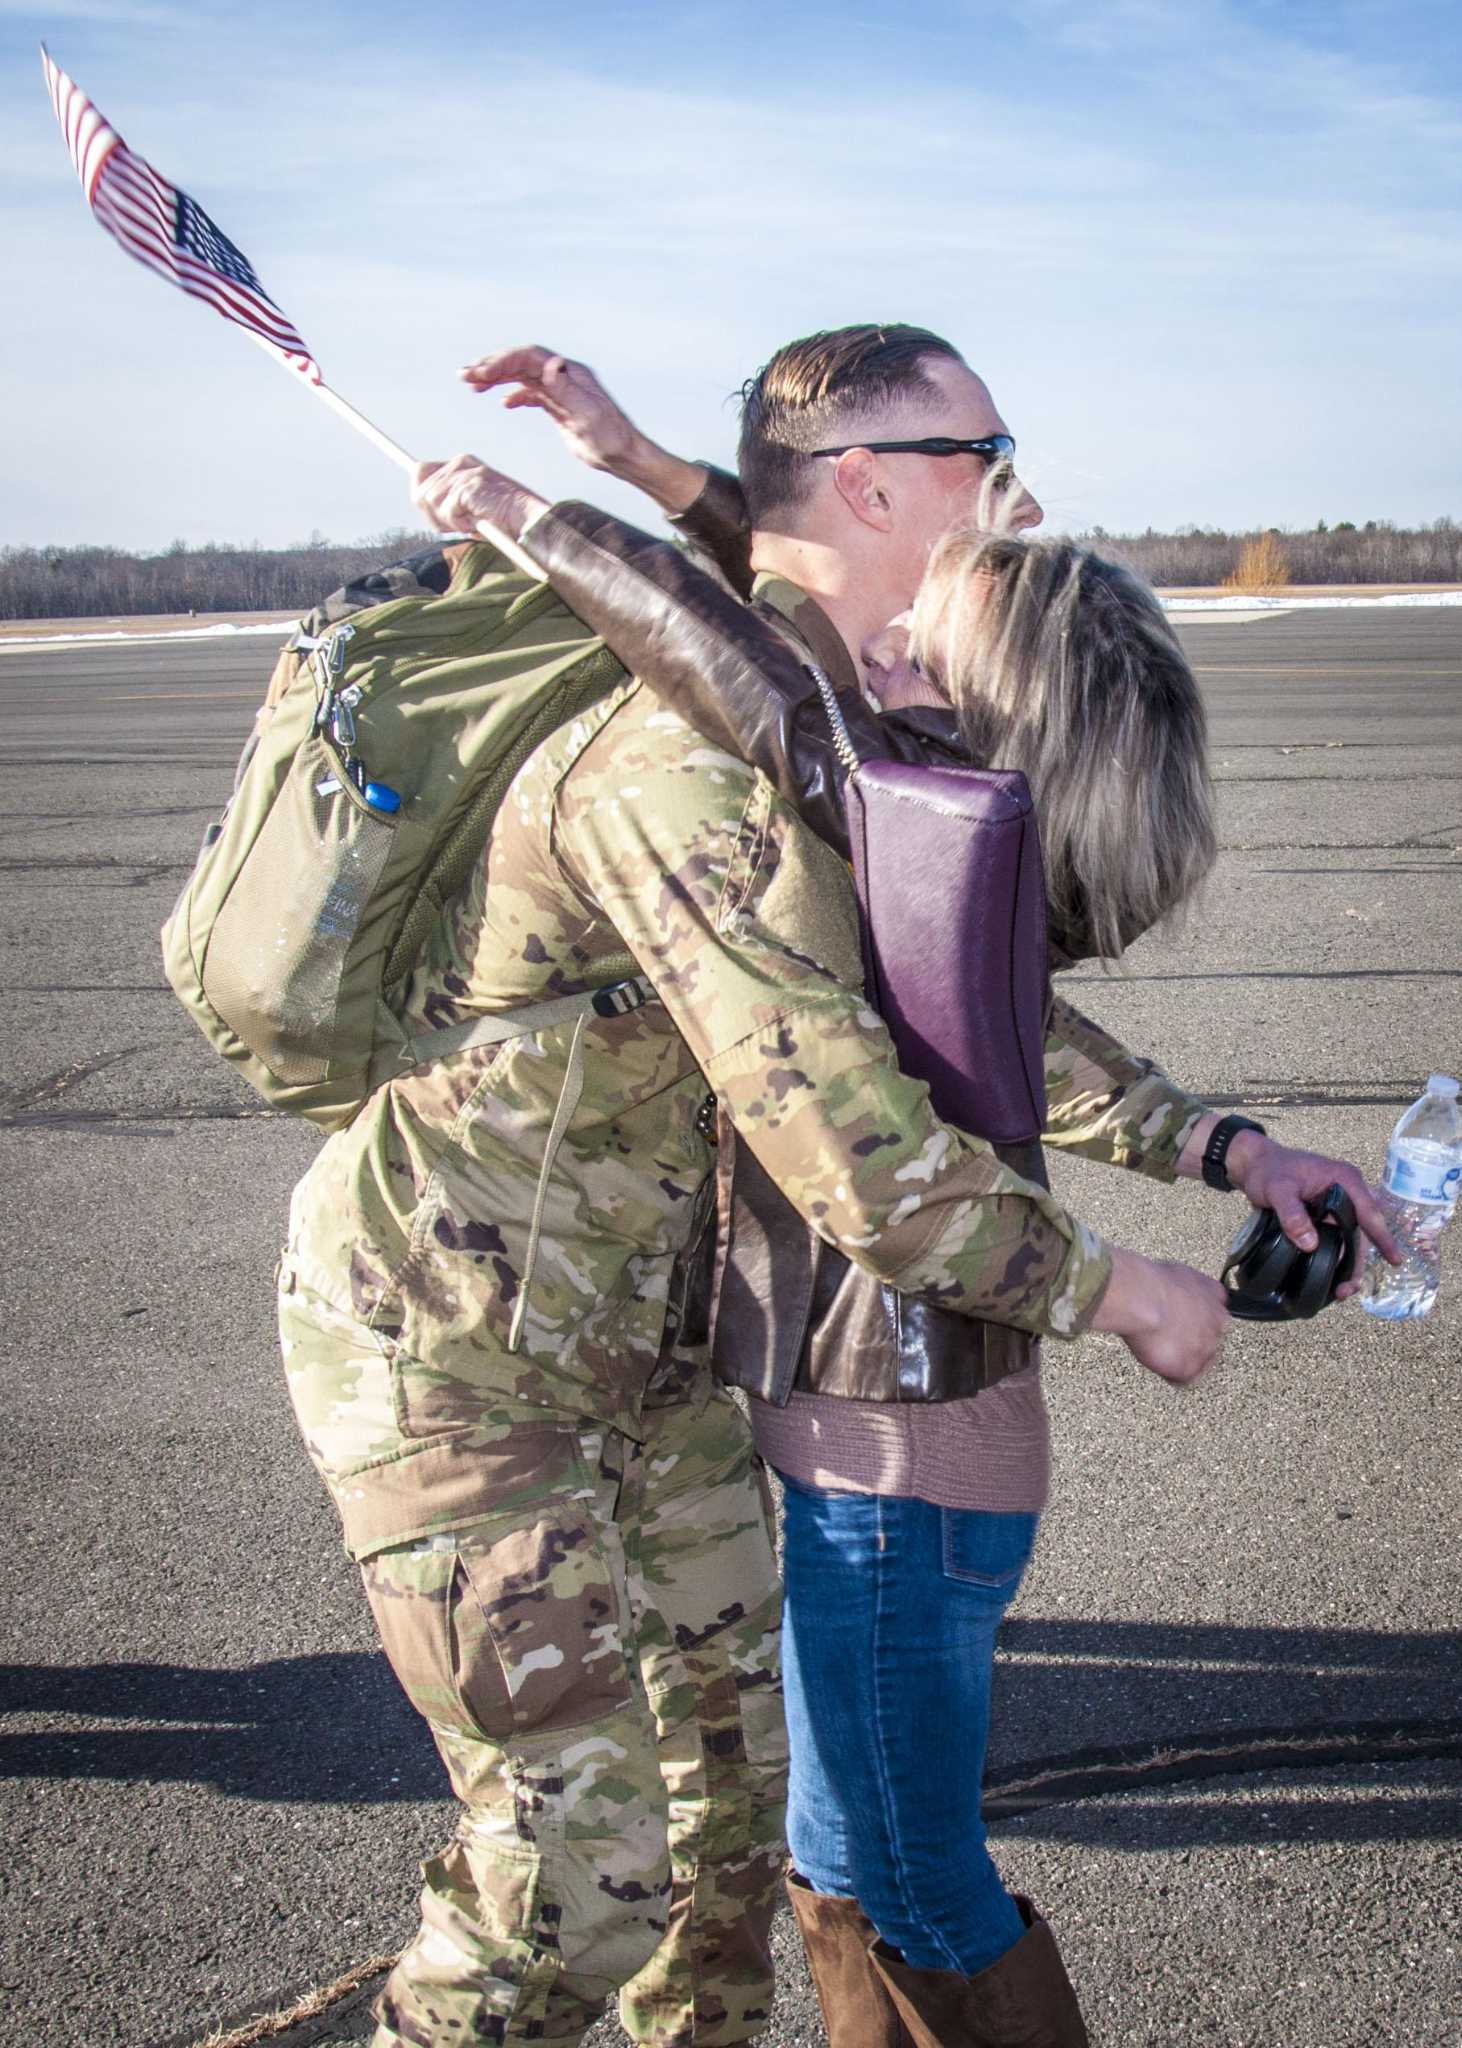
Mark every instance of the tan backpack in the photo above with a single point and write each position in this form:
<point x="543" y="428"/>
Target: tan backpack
<point x="365" y="802"/>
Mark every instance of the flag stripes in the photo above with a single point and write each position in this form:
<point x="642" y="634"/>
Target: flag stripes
<point x="88" y="137"/>
<point x="163" y="228"/>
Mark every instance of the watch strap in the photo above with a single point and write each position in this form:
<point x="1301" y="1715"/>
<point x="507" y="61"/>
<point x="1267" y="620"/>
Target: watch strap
<point x="1215" y="1152"/>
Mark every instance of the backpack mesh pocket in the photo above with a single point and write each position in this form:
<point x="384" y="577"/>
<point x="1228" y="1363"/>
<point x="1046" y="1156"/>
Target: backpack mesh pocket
<point x="278" y="947"/>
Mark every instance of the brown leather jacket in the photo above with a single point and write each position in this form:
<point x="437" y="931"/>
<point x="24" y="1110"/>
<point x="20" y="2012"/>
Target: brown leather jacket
<point x="788" y="1310"/>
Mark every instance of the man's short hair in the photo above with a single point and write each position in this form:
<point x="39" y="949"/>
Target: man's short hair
<point x="821" y="391"/>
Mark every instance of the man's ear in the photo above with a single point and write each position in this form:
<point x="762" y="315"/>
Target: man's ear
<point x="858" y="482"/>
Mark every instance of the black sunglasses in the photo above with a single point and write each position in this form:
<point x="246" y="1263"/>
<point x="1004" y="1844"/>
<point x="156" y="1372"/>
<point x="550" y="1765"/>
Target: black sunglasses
<point x="992" y="448"/>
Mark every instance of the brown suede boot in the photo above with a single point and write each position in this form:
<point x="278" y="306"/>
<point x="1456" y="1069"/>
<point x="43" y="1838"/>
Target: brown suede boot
<point x="1024" y="2000"/>
<point x="836" y="1933"/>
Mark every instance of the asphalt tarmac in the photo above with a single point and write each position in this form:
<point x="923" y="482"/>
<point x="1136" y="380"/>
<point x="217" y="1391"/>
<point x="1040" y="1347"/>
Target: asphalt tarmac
<point x="1228" y="1743"/>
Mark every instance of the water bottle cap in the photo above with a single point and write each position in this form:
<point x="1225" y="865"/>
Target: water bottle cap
<point x="381" y="797"/>
<point x="1444" y="1085"/>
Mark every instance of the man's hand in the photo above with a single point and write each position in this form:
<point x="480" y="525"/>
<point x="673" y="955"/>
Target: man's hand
<point x="1172" y="1318"/>
<point x="1274" y="1177"/>
<point x="595" y="429"/>
<point x="458" y="495"/>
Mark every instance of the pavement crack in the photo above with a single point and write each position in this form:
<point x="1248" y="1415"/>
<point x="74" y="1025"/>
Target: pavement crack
<point x="1350" y="781"/>
<point x="1217" y="1753"/>
<point x="15" y="1101"/>
<point x="1318" y="1095"/>
<point x="21" y="763"/>
<point x="81" y="864"/>
<point x="304" y="2020"/>
<point x="1272" y="974"/>
<point x="131" y="1122"/>
<point x="1278" y="746"/>
<point x="1446" y="833"/>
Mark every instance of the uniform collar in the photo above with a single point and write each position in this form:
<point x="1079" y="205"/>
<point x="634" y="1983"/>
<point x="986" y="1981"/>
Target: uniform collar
<point x="812" y="626"/>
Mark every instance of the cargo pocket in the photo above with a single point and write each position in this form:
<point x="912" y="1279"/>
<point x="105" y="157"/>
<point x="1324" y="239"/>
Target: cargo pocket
<point x="278" y="949"/>
<point x="506" y="1634"/>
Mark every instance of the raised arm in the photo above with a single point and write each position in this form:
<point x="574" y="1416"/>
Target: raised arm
<point x="703" y="503"/>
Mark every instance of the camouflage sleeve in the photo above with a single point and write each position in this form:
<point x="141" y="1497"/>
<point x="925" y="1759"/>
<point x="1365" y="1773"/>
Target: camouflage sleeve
<point x="1109" y="1104"/>
<point x="747" y="926"/>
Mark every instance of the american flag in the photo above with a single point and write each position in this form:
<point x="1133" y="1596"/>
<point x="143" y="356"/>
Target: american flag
<point x="165" y="229"/>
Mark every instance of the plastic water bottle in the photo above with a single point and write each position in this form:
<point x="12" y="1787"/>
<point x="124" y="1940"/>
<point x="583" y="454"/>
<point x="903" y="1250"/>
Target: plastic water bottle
<point x="1418" y="1195"/>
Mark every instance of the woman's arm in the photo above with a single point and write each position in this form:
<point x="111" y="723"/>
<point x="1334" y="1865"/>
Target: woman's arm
<point x="726" y="669"/>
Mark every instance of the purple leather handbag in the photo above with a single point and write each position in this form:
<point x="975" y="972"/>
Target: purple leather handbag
<point x="947" y="866"/>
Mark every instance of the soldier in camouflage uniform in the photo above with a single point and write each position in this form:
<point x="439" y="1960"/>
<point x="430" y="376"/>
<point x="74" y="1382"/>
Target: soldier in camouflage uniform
<point x="565" y="1545"/>
<point x="871" y="1864"/>
<point x="486" y="1308"/>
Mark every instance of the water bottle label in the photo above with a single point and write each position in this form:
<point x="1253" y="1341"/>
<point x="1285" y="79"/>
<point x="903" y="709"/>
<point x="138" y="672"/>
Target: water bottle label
<point x="1412" y="1180"/>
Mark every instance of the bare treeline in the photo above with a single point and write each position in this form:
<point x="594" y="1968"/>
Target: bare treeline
<point x="89" y="583"/>
<point x="1374" y="553"/>
<point x="86" y="583"/>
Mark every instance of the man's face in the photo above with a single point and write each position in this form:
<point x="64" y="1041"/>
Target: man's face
<point x="935" y="492"/>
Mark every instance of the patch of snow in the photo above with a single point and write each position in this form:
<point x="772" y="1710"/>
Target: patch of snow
<point x="1235" y="602"/>
<point x="280" y="631"/>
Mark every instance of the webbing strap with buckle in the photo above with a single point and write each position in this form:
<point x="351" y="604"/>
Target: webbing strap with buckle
<point x="618" y="1000"/>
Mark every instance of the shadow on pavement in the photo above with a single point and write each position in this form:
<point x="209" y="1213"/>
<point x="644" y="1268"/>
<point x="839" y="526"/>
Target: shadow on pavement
<point x="326" y="1728"/>
<point x="1081" y="1708"/>
<point x="1107" y="1681"/>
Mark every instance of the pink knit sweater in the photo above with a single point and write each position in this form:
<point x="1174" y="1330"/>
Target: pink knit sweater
<point x="991" y="1453"/>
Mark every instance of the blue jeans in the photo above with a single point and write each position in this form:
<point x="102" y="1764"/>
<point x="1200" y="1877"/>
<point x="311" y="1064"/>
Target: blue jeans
<point x="891" y="1608"/>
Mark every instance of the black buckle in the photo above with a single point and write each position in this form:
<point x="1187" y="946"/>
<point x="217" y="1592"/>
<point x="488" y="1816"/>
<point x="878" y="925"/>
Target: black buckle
<point x="619" y="999"/>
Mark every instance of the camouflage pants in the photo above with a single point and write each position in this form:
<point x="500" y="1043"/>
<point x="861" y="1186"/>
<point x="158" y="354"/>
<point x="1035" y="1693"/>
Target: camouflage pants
<point x="594" y="1644"/>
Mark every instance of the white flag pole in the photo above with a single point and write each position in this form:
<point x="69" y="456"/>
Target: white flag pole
<point x="369" y="431"/>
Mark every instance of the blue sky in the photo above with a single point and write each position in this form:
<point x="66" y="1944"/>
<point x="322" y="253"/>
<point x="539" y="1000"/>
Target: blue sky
<point x="1208" y="253"/>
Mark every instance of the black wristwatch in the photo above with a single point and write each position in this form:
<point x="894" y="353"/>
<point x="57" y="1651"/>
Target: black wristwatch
<point x="1215" y="1152"/>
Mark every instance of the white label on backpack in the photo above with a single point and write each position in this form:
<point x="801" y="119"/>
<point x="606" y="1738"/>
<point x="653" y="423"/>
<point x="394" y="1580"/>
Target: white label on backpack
<point x="328" y="787"/>
<point x="1425" y="1174"/>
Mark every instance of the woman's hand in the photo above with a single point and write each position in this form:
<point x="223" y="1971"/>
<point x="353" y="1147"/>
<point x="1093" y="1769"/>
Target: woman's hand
<point x="1172" y="1318"/>
<point x="892" y="678"/>
<point x="595" y="429"/>
<point x="461" y="495"/>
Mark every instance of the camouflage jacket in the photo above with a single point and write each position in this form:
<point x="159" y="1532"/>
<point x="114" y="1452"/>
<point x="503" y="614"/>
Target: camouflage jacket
<point x="790" y="1310"/>
<point x="628" y="831"/>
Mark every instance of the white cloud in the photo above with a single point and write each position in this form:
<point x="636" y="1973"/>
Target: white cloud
<point x="1130" y="262"/>
<point x="1216" y="57"/>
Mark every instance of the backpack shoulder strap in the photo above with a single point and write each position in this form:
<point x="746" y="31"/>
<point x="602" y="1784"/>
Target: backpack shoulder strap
<point x="617" y="1000"/>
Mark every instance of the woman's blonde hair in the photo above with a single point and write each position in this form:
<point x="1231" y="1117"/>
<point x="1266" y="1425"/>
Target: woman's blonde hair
<point x="1064" y="665"/>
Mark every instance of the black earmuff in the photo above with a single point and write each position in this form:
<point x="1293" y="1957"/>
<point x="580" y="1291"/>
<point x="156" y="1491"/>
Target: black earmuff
<point x="1270" y="1280"/>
